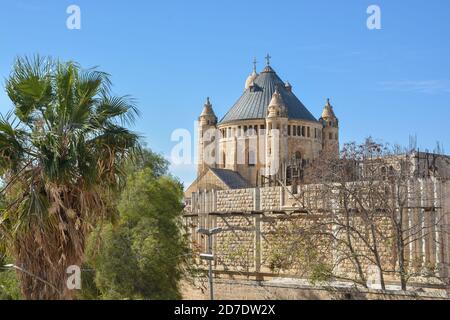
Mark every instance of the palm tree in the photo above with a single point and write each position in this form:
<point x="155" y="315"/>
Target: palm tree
<point x="62" y="154"/>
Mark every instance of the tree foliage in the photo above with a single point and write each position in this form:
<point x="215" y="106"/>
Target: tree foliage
<point x="142" y="256"/>
<point x="377" y="212"/>
<point x="62" y="154"/>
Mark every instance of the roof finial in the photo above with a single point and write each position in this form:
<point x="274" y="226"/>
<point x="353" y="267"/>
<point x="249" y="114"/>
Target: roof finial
<point x="207" y="101"/>
<point x="254" y="64"/>
<point x="276" y="88"/>
<point x="268" y="57"/>
<point x="288" y="86"/>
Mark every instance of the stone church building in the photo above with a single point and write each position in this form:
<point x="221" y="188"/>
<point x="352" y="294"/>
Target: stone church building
<point x="268" y="134"/>
<point x="250" y="185"/>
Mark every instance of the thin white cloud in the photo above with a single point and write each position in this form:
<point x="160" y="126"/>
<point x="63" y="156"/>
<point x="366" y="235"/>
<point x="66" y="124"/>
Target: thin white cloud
<point x="421" y="86"/>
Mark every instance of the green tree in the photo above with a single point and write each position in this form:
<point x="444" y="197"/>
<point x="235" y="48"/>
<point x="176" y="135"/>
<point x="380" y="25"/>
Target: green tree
<point x="63" y="150"/>
<point x="142" y="257"/>
<point x="9" y="284"/>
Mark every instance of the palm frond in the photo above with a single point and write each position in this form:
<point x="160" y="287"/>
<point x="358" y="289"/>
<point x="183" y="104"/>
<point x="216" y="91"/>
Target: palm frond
<point x="11" y="144"/>
<point x="29" y="86"/>
<point x="63" y="163"/>
<point x="121" y="110"/>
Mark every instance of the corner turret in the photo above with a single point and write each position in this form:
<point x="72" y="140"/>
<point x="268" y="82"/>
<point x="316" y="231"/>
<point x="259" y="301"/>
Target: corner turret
<point x="330" y="131"/>
<point x="206" y="132"/>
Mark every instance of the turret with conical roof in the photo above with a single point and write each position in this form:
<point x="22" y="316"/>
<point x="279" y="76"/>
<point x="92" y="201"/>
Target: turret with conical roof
<point x="328" y="112"/>
<point x="207" y="117"/>
<point x="277" y="108"/>
<point x="251" y="78"/>
<point x="330" y="132"/>
<point x="207" y="132"/>
<point x="276" y="123"/>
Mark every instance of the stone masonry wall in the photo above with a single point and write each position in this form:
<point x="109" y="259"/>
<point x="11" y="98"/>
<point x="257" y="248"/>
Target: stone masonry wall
<point x="270" y="198"/>
<point x="251" y="243"/>
<point x="235" y="248"/>
<point x="235" y="200"/>
<point x="257" y="290"/>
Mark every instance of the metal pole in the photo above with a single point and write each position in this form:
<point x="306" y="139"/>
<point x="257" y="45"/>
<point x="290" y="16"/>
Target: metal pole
<point x="209" y="256"/>
<point x="211" y="289"/>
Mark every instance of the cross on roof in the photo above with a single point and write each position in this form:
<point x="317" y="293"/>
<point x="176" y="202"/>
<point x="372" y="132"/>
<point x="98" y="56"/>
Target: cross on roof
<point x="268" y="57"/>
<point x="254" y="64"/>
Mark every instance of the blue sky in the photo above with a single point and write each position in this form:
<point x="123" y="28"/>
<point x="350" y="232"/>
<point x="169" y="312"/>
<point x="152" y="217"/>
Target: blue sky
<point x="171" y="55"/>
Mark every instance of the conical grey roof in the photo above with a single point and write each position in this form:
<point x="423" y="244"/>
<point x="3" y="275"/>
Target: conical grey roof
<point x="255" y="100"/>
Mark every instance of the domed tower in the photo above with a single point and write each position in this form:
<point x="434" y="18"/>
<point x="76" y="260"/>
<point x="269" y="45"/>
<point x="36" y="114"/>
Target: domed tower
<point x="245" y="129"/>
<point x="330" y="131"/>
<point x="251" y="78"/>
<point x="276" y="143"/>
<point x="206" y="136"/>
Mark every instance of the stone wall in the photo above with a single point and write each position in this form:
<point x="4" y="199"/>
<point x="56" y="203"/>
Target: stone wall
<point x="270" y="198"/>
<point x="446" y="218"/>
<point x="256" y="235"/>
<point x="288" y="289"/>
<point x="239" y="243"/>
<point x="230" y="200"/>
